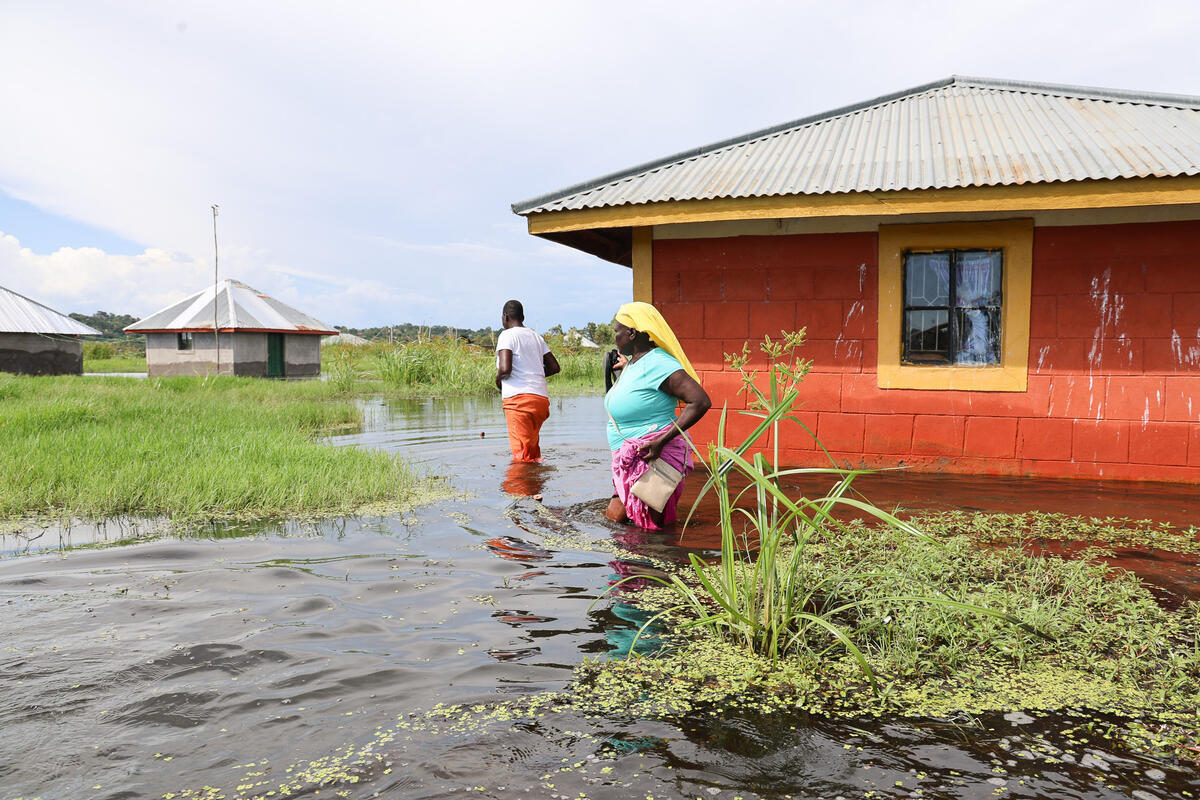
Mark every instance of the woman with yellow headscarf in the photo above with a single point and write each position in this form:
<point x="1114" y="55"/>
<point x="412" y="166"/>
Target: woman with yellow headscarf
<point x="642" y="425"/>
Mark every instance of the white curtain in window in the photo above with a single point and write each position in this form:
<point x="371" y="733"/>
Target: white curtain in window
<point x="974" y="288"/>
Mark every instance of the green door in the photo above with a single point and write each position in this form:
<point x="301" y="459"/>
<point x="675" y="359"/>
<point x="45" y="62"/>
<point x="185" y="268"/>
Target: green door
<point x="274" y="355"/>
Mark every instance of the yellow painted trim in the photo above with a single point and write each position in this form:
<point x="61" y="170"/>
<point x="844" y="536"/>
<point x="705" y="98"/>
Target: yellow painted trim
<point x="643" y="264"/>
<point x="1116" y="193"/>
<point x="1015" y="237"/>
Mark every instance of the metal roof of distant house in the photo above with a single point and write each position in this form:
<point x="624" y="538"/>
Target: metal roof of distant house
<point x="951" y="133"/>
<point x="238" y="308"/>
<point x="345" y="338"/>
<point x="19" y="314"/>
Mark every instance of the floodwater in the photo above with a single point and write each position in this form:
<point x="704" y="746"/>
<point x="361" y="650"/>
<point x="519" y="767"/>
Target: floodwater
<point x="259" y="660"/>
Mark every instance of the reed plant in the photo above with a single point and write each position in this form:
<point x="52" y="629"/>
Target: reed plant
<point x="186" y="447"/>
<point x="766" y="592"/>
<point x="446" y="366"/>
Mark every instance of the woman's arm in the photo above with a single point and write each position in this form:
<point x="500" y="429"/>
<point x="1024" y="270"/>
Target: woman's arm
<point x="696" y="404"/>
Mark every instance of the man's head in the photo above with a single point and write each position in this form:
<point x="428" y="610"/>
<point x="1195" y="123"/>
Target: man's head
<point x="512" y="314"/>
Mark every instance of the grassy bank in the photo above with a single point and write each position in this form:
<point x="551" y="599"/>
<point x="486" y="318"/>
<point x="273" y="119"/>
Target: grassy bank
<point x="186" y="447"/>
<point x="446" y="366"/>
<point x="120" y="356"/>
<point x="115" y="364"/>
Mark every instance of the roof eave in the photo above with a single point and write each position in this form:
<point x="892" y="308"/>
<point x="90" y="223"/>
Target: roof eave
<point x="297" y="331"/>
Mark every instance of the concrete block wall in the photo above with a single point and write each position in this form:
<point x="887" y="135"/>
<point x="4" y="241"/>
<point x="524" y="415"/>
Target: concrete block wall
<point x="165" y="359"/>
<point x="34" y="354"/>
<point x="302" y="355"/>
<point x="243" y="353"/>
<point x="1114" y="362"/>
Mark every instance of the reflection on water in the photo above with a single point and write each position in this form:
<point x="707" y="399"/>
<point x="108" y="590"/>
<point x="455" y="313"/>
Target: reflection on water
<point x="526" y="479"/>
<point x="261" y="656"/>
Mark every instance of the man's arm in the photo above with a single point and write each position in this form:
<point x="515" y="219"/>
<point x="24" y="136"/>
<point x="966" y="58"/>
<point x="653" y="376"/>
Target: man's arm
<point x="504" y="365"/>
<point x="550" y="365"/>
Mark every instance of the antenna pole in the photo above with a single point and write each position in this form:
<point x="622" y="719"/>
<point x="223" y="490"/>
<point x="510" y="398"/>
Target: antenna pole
<point x="216" y="262"/>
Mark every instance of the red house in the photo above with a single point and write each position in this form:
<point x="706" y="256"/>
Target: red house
<point x="996" y="277"/>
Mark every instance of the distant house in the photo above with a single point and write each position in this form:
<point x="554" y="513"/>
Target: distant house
<point x="344" y="338"/>
<point x="256" y="336"/>
<point x="996" y="277"/>
<point x="37" y="340"/>
<point x="584" y="341"/>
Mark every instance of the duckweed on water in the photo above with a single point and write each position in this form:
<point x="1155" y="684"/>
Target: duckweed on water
<point x="1038" y="526"/>
<point x="1109" y="646"/>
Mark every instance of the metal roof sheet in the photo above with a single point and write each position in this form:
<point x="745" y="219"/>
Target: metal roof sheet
<point x="238" y="307"/>
<point x="19" y="314"/>
<point x="956" y="132"/>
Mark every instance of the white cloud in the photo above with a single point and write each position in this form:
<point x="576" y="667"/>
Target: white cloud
<point x="381" y="143"/>
<point x="86" y="279"/>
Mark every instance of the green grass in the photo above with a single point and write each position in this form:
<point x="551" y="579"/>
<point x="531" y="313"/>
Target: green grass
<point x="115" y="364"/>
<point x="187" y="448"/>
<point x="445" y="366"/>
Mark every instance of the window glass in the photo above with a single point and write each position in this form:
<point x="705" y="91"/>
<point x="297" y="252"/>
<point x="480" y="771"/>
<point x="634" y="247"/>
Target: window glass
<point x="967" y="332"/>
<point x="928" y="333"/>
<point x="184" y="341"/>
<point x="927" y="279"/>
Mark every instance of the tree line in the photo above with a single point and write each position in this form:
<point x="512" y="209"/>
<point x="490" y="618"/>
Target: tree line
<point x="599" y="332"/>
<point x="112" y="326"/>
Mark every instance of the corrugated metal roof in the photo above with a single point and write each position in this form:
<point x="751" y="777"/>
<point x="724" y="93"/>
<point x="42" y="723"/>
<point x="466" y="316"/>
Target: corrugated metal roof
<point x="345" y="338"/>
<point x="238" y="308"/>
<point x="19" y="314"/>
<point x="957" y="132"/>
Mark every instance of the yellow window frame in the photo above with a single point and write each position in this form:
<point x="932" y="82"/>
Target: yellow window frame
<point x="1015" y="238"/>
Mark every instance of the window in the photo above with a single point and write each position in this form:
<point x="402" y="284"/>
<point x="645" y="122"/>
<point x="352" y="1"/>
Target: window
<point x="184" y="341"/>
<point x="952" y="303"/>
<point x="954" y="300"/>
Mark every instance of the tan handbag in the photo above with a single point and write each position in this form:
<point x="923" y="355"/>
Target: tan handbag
<point x="655" y="486"/>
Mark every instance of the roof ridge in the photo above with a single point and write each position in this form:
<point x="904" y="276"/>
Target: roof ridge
<point x="1087" y="92"/>
<point x="233" y="321"/>
<point x="1096" y="93"/>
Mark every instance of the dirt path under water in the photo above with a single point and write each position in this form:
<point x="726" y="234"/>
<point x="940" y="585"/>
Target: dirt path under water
<point x="269" y="659"/>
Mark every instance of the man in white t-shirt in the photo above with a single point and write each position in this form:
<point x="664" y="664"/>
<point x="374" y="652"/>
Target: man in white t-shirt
<point x="523" y="362"/>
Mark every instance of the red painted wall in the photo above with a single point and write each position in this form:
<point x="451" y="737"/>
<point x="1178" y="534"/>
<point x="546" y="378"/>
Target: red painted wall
<point x="1114" y="361"/>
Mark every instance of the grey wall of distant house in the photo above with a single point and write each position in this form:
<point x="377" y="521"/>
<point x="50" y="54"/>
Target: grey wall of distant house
<point x="243" y="353"/>
<point x="34" y="354"/>
<point x="164" y="358"/>
<point x="302" y="355"/>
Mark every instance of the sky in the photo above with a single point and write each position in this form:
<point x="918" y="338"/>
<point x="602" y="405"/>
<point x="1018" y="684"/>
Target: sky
<point x="365" y="155"/>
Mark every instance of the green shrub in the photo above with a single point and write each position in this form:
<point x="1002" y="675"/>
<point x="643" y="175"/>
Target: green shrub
<point x="98" y="351"/>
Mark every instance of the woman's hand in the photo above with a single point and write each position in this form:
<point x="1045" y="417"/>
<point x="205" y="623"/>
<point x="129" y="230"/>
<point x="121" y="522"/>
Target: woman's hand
<point x="653" y="448"/>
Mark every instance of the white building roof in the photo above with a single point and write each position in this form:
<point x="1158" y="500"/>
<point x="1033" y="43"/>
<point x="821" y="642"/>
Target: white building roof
<point x="238" y="307"/>
<point x="19" y="314"/>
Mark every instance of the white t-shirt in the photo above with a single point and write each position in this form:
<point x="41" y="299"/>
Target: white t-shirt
<point x="528" y="374"/>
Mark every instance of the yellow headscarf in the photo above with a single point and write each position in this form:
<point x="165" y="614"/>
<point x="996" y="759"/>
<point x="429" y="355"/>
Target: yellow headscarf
<point x="645" y="317"/>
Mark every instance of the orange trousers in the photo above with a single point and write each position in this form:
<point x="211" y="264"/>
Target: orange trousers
<point x="525" y="414"/>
